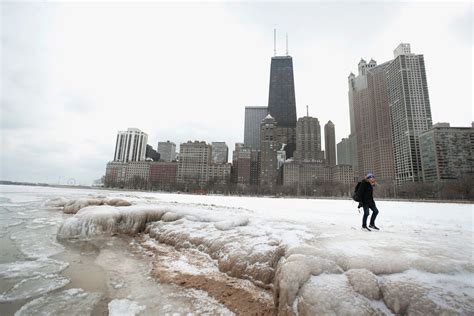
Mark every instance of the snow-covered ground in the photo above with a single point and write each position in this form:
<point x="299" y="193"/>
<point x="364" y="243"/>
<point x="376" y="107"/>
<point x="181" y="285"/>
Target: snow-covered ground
<point x="310" y="254"/>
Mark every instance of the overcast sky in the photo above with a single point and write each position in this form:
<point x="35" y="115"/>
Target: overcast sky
<point x="73" y="74"/>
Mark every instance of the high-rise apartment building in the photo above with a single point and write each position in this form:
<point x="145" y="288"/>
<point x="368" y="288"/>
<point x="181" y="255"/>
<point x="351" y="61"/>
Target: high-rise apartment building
<point x="380" y="139"/>
<point x="447" y="152"/>
<point x="220" y="152"/>
<point x="410" y="112"/>
<point x="363" y="118"/>
<point x="130" y="145"/>
<point x="343" y="154"/>
<point x="389" y="107"/>
<point x="194" y="161"/>
<point x="368" y="97"/>
<point x="253" y="118"/>
<point x="347" y="152"/>
<point x="308" y="140"/>
<point x="330" y="143"/>
<point x="167" y="151"/>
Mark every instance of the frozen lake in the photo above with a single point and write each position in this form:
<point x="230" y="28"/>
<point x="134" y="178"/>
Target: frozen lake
<point x="174" y="253"/>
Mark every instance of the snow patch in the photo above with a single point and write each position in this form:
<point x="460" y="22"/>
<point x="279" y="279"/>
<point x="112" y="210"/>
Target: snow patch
<point x="229" y="224"/>
<point x="125" y="307"/>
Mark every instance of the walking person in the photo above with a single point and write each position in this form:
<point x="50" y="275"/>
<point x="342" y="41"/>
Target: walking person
<point x="366" y="198"/>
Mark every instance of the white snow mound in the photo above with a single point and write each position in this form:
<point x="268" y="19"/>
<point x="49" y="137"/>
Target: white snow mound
<point x="125" y="307"/>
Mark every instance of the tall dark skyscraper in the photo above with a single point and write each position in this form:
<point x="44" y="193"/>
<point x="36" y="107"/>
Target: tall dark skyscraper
<point x="281" y="99"/>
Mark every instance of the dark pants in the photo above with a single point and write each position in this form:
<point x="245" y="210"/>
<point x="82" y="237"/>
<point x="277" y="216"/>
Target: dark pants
<point x="375" y="211"/>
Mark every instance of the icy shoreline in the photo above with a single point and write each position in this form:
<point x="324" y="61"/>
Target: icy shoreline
<point x="423" y="270"/>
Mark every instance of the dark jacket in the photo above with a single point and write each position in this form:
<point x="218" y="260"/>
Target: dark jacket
<point x="366" y="194"/>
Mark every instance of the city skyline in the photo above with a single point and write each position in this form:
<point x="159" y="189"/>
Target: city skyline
<point x="68" y="92"/>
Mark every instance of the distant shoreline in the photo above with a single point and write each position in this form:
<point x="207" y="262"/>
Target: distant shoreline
<point x="85" y="187"/>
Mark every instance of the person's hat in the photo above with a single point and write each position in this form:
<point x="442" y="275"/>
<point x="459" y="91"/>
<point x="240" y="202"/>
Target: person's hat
<point x="370" y="175"/>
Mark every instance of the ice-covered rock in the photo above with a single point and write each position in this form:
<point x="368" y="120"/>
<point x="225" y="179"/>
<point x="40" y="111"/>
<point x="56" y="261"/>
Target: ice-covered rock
<point x="73" y="206"/>
<point x="293" y="272"/>
<point x="33" y="286"/>
<point x="57" y="202"/>
<point x="364" y="282"/>
<point x="241" y="252"/>
<point x="68" y="302"/>
<point x="170" y="217"/>
<point x="95" y="220"/>
<point x="422" y="293"/>
<point x="117" y="202"/>
<point x="229" y="224"/>
<point x="125" y="307"/>
<point x="329" y="294"/>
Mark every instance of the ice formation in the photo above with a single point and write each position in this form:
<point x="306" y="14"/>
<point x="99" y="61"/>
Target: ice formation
<point x="125" y="307"/>
<point x="33" y="286"/>
<point x="310" y="267"/>
<point x="73" y="206"/>
<point x="57" y="202"/>
<point x="33" y="247"/>
<point x="68" y="302"/>
<point x="31" y="268"/>
<point x="241" y="252"/>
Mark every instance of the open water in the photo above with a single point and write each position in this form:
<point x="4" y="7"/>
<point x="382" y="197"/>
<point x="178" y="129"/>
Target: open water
<point x="41" y="276"/>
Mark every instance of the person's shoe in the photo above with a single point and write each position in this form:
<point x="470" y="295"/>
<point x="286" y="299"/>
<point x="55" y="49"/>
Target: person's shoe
<point x="374" y="227"/>
<point x="365" y="228"/>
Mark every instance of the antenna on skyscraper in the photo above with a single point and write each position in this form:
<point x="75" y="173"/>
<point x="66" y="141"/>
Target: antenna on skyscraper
<point x="274" y="42"/>
<point x="307" y="110"/>
<point x="286" y="44"/>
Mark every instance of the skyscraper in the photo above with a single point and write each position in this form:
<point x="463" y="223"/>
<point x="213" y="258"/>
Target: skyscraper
<point x="368" y="97"/>
<point x="253" y="118"/>
<point x="220" y="152"/>
<point x="381" y="136"/>
<point x="167" y="151"/>
<point x="130" y="145"/>
<point x="410" y="111"/>
<point x="362" y="117"/>
<point x="281" y="98"/>
<point x="330" y="143"/>
<point x="269" y="147"/>
<point x="308" y="140"/>
<point x="281" y="101"/>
